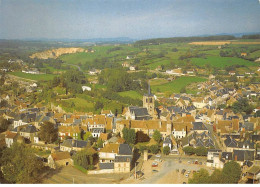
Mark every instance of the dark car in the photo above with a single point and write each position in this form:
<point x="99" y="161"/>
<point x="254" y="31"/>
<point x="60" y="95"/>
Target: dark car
<point x="154" y="170"/>
<point x="183" y="171"/>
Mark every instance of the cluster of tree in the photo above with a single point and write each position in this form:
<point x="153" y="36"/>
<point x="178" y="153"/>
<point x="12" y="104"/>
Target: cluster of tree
<point x="3" y="103"/>
<point x="113" y="49"/>
<point x="253" y="36"/>
<point x="242" y="105"/>
<point x="99" y="63"/>
<point x="166" y="150"/>
<point x="182" y="39"/>
<point x="189" y="54"/>
<point x="4" y="124"/>
<point x="118" y="80"/>
<point x="129" y="135"/>
<point x="153" y="148"/>
<point x="230" y="174"/>
<point x="84" y="159"/>
<point x="199" y="151"/>
<point x="71" y="80"/>
<point x="19" y="164"/>
<point x="48" y="132"/>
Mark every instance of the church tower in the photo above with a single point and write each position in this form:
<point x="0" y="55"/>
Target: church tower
<point x="148" y="101"/>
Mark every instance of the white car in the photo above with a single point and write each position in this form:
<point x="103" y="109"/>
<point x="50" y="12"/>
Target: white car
<point x="187" y="175"/>
<point x="188" y="171"/>
<point x="158" y="156"/>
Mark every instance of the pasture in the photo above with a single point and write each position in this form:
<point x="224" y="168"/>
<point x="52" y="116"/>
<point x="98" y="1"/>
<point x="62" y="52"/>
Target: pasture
<point x="36" y="77"/>
<point x="221" y="62"/>
<point x="131" y="93"/>
<point x="176" y="85"/>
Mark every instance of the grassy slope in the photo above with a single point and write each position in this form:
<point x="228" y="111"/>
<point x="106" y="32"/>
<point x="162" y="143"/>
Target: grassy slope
<point x="221" y="62"/>
<point x="33" y="77"/>
<point x="131" y="93"/>
<point x="176" y="85"/>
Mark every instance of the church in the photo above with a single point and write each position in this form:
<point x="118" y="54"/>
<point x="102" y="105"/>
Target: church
<point x="146" y="112"/>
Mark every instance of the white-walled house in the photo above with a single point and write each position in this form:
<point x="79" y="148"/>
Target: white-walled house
<point x="86" y="88"/>
<point x="213" y="159"/>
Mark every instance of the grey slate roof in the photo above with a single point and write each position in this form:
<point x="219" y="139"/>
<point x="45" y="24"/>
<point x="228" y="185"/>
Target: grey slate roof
<point x="125" y="149"/>
<point x="226" y="155"/>
<point x="106" y="165"/>
<point x="229" y="142"/>
<point x="242" y="155"/>
<point x="74" y="143"/>
<point x="29" y="129"/>
<point x="123" y="159"/>
<point x="198" y="126"/>
<point x="249" y="126"/>
<point x="167" y="141"/>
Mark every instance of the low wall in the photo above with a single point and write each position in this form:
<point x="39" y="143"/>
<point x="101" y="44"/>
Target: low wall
<point x="101" y="171"/>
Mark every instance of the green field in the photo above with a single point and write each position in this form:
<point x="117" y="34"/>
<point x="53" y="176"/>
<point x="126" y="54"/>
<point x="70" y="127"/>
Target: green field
<point x="176" y="85"/>
<point x="45" y="77"/>
<point x="131" y="93"/>
<point x="222" y="62"/>
<point x="80" y="105"/>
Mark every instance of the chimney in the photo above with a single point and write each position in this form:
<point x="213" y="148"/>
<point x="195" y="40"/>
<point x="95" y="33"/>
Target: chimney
<point x="65" y="117"/>
<point x="160" y="124"/>
<point x="235" y="157"/>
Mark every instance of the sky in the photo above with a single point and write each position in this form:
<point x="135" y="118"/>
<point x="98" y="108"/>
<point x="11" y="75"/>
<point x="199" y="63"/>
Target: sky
<point x="137" y="19"/>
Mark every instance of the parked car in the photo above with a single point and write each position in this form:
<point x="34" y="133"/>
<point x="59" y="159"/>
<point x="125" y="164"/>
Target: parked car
<point x="179" y="161"/>
<point x="188" y="162"/>
<point x="158" y="160"/>
<point x="187" y="175"/>
<point x="154" y="164"/>
<point x="200" y="163"/>
<point x="196" y="162"/>
<point x="154" y="170"/>
<point x="158" y="156"/>
<point x="183" y="171"/>
<point x="188" y="171"/>
<point x="184" y="183"/>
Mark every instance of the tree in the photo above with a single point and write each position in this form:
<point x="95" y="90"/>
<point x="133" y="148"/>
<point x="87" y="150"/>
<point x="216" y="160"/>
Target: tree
<point x="3" y="103"/>
<point x="242" y="105"/>
<point x="142" y="137"/>
<point x="129" y="135"/>
<point x="231" y="172"/>
<point x="157" y="136"/>
<point x="48" y="132"/>
<point x="166" y="150"/>
<point x="189" y="150"/>
<point x="84" y="159"/>
<point x="154" y="149"/>
<point x="87" y="135"/>
<point x="98" y="105"/>
<point x="200" y="178"/>
<point x="216" y="177"/>
<point x="201" y="151"/>
<point x="4" y="124"/>
<point x="142" y="148"/>
<point x="99" y="143"/>
<point x="20" y="165"/>
<point x="183" y="90"/>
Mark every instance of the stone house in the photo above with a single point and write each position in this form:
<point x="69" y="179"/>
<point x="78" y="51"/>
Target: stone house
<point x="59" y="159"/>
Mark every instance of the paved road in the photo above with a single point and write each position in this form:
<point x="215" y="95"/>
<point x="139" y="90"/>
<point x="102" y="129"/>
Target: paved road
<point x="77" y="67"/>
<point x="171" y="164"/>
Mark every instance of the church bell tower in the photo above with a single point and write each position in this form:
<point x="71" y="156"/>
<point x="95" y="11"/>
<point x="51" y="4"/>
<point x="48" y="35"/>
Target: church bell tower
<point x="148" y="101"/>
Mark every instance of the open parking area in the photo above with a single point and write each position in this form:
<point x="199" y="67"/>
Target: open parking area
<point x="170" y="170"/>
